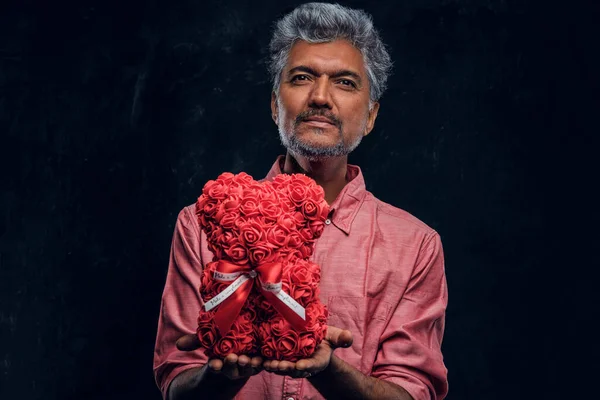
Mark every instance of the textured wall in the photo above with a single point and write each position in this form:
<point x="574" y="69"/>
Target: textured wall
<point x="114" y="114"/>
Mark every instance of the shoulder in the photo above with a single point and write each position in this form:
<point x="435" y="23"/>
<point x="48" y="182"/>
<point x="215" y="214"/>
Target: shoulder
<point x="400" y="224"/>
<point x="187" y="221"/>
<point x="188" y="213"/>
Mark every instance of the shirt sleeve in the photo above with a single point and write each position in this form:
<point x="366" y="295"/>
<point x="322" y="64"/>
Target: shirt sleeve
<point x="409" y="352"/>
<point x="180" y="304"/>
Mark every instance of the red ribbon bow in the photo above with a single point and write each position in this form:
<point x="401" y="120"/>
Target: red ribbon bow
<point x="268" y="275"/>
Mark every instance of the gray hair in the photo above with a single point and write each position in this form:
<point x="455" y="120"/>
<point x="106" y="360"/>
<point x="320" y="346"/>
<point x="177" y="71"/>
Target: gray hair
<point x="323" y="22"/>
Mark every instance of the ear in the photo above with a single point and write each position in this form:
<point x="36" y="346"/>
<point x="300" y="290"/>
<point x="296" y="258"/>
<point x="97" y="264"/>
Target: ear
<point x="274" y="109"/>
<point x="371" y="118"/>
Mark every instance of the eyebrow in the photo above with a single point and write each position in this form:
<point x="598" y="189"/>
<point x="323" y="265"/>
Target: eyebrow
<point x="335" y="74"/>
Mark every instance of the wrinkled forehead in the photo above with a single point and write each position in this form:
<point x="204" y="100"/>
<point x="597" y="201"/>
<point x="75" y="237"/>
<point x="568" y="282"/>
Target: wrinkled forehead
<point x="326" y="57"/>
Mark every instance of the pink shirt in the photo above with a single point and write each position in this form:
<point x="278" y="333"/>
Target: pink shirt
<point x="382" y="278"/>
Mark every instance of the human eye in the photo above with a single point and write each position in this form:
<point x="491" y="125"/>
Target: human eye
<point x="299" y="78"/>
<point x="348" y="82"/>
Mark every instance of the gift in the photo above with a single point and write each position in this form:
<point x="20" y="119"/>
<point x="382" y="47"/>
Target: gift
<point x="260" y="292"/>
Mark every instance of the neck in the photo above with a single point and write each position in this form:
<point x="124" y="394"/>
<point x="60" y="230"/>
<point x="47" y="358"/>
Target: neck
<point x="329" y="173"/>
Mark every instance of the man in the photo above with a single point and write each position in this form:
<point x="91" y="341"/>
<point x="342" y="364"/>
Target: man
<point x="383" y="273"/>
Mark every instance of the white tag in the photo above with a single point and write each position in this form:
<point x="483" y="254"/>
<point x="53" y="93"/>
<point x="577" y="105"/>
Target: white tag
<point x="272" y="287"/>
<point x="291" y="303"/>
<point x="221" y="276"/>
<point x="285" y="298"/>
<point x="221" y="297"/>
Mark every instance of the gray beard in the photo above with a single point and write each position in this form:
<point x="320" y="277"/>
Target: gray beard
<point x="314" y="153"/>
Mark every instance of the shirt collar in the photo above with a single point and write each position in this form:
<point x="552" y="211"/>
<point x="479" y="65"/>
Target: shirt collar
<point x="345" y="207"/>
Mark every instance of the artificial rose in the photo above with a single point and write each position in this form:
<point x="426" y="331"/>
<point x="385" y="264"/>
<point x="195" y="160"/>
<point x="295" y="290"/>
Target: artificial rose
<point x="269" y="209"/>
<point x="251" y="233"/>
<point x="268" y="349"/>
<point x="302" y="179"/>
<point x="225" y="178"/>
<point x="237" y="253"/>
<point x="241" y="328"/>
<point x="230" y="205"/>
<point x="299" y="219"/>
<point x="317" y="228"/>
<point x="287" y="345"/>
<point x="303" y="292"/>
<point x="279" y="325"/>
<point x="294" y="240"/>
<point x="261" y="252"/>
<point x="306" y="234"/>
<point x="316" y="313"/>
<point x="243" y="179"/>
<point x="310" y="210"/>
<point x="316" y="193"/>
<point x="210" y="209"/>
<point x="278" y="236"/>
<point x="249" y="207"/>
<point x="287" y="221"/>
<point x="306" y="250"/>
<point x="214" y="235"/>
<point x="286" y="204"/>
<point x="227" y="239"/>
<point x="217" y="191"/>
<point x="225" y="346"/>
<point x="206" y="332"/>
<point x="307" y="344"/>
<point x="204" y="200"/>
<point x="297" y="193"/>
<point x="228" y="220"/>
<point x="253" y="192"/>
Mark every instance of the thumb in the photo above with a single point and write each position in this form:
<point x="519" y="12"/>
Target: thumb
<point x="339" y="337"/>
<point x="188" y="343"/>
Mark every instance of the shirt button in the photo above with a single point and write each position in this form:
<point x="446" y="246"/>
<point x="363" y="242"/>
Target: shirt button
<point x="290" y="398"/>
<point x="327" y="222"/>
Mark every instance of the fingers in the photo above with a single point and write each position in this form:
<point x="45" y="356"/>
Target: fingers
<point x="317" y="363"/>
<point x="256" y="362"/>
<point x="339" y="337"/>
<point x="244" y="367"/>
<point x="230" y="366"/>
<point x="271" y="365"/>
<point x="236" y="367"/>
<point x="188" y="343"/>
<point x="215" y="365"/>
<point x="286" y="367"/>
<point x="243" y="360"/>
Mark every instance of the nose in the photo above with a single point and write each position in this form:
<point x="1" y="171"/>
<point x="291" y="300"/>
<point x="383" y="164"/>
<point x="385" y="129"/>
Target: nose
<point x="320" y="97"/>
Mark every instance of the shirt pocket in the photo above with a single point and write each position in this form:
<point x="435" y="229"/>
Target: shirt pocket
<point x="366" y="318"/>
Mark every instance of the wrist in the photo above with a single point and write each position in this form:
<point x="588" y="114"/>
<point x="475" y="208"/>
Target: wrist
<point x="328" y="371"/>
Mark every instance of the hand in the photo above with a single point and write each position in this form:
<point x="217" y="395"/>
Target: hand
<point x="233" y="366"/>
<point x="305" y="368"/>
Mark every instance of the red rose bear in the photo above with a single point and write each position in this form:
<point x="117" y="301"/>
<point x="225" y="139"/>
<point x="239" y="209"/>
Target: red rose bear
<point x="260" y="292"/>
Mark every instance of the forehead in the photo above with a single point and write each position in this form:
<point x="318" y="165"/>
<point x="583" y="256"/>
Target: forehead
<point x="325" y="57"/>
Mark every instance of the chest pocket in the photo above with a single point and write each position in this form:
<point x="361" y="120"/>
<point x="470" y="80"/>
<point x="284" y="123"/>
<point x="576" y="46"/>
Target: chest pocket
<point x="366" y="318"/>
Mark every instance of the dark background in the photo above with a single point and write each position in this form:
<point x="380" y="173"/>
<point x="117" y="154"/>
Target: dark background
<point x="114" y="114"/>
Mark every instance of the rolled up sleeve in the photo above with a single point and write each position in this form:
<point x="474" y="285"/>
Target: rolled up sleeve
<point x="180" y="303"/>
<point x="410" y="354"/>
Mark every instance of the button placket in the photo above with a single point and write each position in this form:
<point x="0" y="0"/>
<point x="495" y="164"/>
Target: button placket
<point x="291" y="388"/>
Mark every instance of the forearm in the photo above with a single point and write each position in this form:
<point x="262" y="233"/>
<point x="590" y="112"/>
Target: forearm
<point x="341" y="380"/>
<point x="198" y="383"/>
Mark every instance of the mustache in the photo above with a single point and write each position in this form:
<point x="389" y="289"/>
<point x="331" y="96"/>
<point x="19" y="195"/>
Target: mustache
<point x="304" y="115"/>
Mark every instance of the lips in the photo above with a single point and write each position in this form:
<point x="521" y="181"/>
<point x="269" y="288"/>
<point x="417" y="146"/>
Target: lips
<point x="319" y="122"/>
<point x="319" y="119"/>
